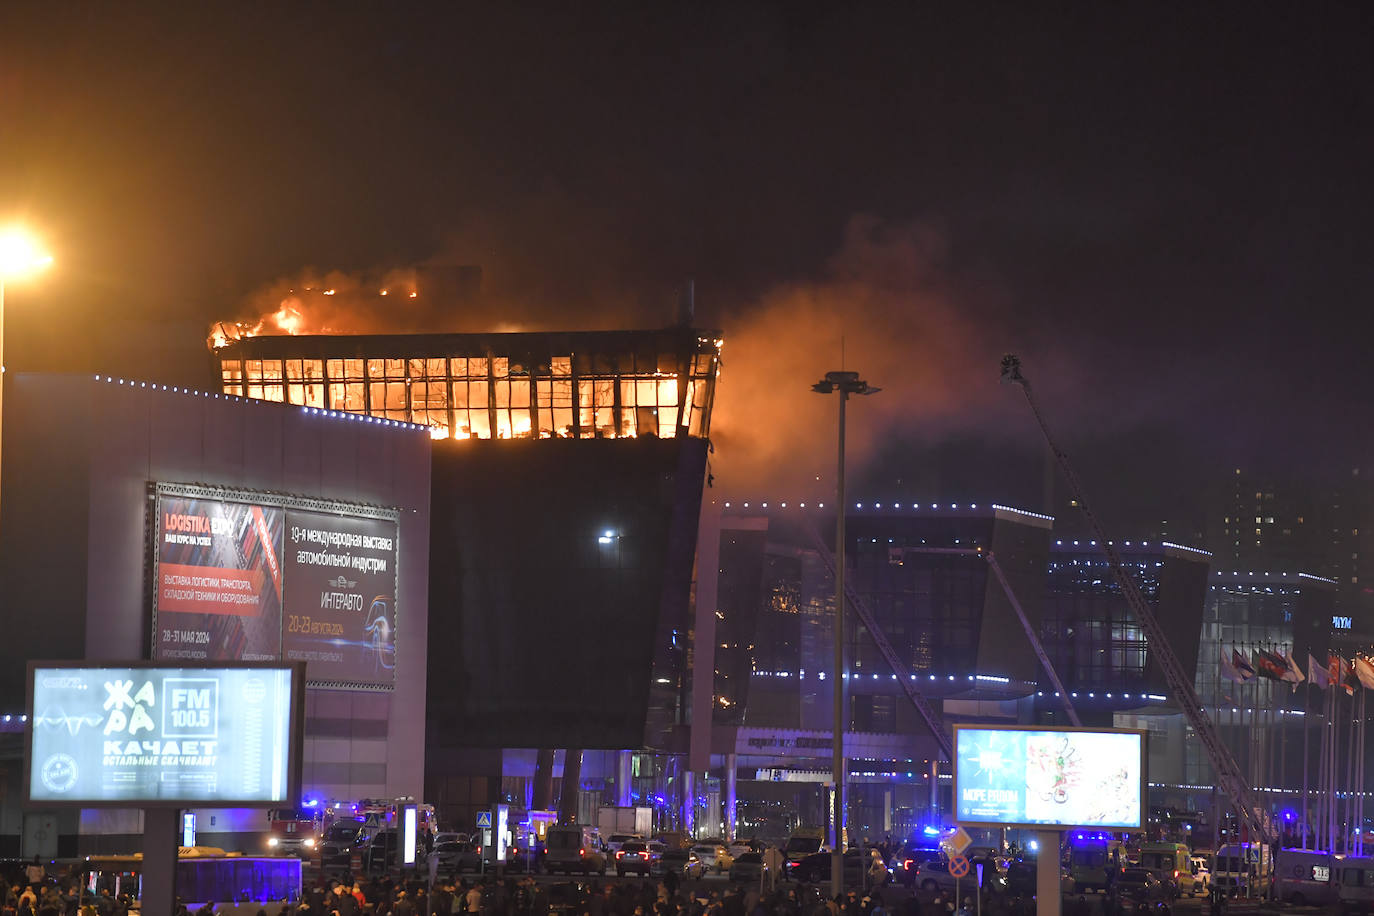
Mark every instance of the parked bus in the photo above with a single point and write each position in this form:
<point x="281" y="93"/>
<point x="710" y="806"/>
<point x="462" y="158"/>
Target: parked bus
<point x="1303" y="876"/>
<point x="236" y="885"/>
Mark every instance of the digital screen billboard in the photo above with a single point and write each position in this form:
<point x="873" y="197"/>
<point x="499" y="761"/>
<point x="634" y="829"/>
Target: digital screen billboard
<point x="1012" y="776"/>
<point x="219" y="580"/>
<point x="137" y="735"/>
<point x="340" y="585"/>
<point x="250" y="577"/>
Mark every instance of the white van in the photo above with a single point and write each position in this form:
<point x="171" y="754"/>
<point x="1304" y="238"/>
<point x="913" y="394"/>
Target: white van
<point x="1355" y="883"/>
<point x="574" y="848"/>
<point x="1305" y="876"/>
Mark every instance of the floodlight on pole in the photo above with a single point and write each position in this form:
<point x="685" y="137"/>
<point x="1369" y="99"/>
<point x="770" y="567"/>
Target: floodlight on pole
<point x="846" y="383"/>
<point x="21" y="255"/>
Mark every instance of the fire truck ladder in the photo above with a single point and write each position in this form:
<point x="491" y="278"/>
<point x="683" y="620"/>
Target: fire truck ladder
<point x="1228" y="774"/>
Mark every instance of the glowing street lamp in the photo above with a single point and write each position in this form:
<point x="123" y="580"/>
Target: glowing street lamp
<point x="20" y="256"/>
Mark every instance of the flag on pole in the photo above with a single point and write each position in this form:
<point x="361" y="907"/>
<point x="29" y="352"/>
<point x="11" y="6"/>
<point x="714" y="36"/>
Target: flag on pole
<point x="1228" y="670"/>
<point x="1243" y="667"/>
<point x="1294" y="675"/>
<point x="1269" y="665"/>
<point x="1317" y="674"/>
<point x="1348" y="680"/>
<point x="1364" y="672"/>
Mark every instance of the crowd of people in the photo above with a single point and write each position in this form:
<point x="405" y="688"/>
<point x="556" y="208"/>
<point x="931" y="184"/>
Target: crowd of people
<point x="34" y="892"/>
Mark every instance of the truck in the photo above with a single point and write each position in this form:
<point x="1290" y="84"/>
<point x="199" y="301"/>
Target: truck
<point x="613" y="819"/>
<point x="1305" y="876"/>
<point x="295" y="831"/>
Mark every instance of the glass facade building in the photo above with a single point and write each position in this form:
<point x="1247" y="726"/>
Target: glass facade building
<point x="587" y="385"/>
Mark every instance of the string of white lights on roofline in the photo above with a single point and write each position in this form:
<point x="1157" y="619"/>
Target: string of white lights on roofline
<point x="239" y="399"/>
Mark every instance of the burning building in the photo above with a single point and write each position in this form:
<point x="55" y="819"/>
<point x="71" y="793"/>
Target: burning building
<point x="566" y="483"/>
<point x="580" y="385"/>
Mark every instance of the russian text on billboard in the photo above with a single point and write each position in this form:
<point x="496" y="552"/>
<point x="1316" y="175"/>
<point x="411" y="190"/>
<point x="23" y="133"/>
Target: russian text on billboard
<point x="219" y="580"/>
<point x="203" y="735"/>
<point x="242" y="581"/>
<point x="340" y="580"/>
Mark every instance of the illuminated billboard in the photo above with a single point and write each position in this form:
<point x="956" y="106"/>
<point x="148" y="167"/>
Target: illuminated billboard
<point x="1029" y="776"/>
<point x="136" y="736"/>
<point x="251" y="577"/>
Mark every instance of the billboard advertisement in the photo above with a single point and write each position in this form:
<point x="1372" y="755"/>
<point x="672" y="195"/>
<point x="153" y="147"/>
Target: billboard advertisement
<point x="1036" y="777"/>
<point x="139" y="736"/>
<point x="251" y="577"/>
<point x="340" y="585"/>
<point x="219" y="580"/>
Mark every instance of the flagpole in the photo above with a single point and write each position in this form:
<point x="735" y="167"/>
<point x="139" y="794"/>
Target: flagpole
<point x="1306" y="714"/>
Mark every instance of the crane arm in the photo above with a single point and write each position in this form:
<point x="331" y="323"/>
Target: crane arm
<point x="1228" y="774"/>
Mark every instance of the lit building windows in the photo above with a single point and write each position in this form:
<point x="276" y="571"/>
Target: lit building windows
<point x="503" y="386"/>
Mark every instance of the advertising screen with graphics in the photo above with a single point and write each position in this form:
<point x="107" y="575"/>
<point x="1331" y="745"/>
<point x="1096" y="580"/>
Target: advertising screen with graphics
<point x="140" y="736"/>
<point x="340" y="578"/>
<point x="250" y="577"/>
<point x="219" y="580"/>
<point x="1049" y="777"/>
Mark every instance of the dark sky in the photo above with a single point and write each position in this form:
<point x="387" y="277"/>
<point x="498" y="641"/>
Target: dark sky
<point x="1164" y="208"/>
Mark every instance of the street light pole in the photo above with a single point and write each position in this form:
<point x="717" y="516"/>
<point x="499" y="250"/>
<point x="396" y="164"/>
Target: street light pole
<point x="846" y="383"/>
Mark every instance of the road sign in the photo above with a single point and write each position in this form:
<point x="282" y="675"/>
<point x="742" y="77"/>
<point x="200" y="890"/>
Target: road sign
<point x="484" y="819"/>
<point x="958" y="866"/>
<point x="956" y="842"/>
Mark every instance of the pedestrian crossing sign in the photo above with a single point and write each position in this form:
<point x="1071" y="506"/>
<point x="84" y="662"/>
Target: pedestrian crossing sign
<point x="484" y="819"/>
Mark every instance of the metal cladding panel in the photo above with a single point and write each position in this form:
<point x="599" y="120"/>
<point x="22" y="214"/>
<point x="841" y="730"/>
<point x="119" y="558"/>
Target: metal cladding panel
<point x="552" y="584"/>
<point x="1312" y="620"/>
<point x="42" y="529"/>
<point x="1182" y="594"/>
<point x="1003" y="648"/>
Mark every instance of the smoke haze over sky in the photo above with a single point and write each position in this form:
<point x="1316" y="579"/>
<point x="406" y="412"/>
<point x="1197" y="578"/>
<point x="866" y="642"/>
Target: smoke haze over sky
<point x="1164" y="210"/>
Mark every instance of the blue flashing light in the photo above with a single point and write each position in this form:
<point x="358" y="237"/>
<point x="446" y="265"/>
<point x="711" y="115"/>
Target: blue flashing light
<point x="931" y="831"/>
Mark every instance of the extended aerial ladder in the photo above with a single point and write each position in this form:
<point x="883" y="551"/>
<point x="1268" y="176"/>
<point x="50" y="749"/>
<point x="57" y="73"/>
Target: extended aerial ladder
<point x="934" y="721"/>
<point x="1228" y="774"/>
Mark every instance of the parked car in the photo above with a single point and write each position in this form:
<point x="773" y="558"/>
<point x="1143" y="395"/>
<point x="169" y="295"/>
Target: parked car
<point x="616" y="840"/>
<point x="1022" y="879"/>
<point x="908" y="860"/>
<point x="682" y="861"/>
<point x="1202" y="875"/>
<point x="815" y="868"/>
<point x="740" y="847"/>
<point x="632" y="858"/>
<point x="1140" y="884"/>
<point x="749" y="867"/>
<point x="934" y="875"/>
<point x="457" y="857"/>
<point x="714" y="856"/>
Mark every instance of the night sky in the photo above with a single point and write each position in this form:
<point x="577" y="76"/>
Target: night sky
<point x="1164" y="209"/>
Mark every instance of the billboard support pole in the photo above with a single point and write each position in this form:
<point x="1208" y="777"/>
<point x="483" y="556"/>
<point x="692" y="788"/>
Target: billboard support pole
<point x="160" y="831"/>
<point x="1047" y="879"/>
